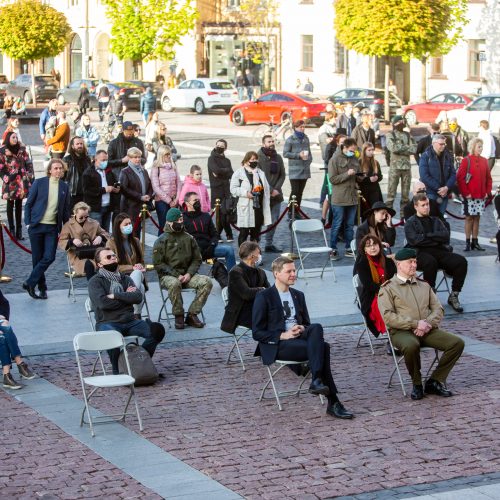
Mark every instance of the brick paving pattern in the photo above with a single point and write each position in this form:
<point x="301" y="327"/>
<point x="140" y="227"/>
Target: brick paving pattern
<point x="208" y="415"/>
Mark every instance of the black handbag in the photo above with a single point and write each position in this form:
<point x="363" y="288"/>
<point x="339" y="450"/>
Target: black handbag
<point x="229" y="208"/>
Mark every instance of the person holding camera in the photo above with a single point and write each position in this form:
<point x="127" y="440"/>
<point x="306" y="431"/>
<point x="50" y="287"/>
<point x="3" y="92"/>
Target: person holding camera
<point x="101" y="190"/>
<point x="250" y="186"/>
<point x="378" y="223"/>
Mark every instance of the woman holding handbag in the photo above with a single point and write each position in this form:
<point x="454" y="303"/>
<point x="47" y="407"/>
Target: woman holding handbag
<point x="475" y="183"/>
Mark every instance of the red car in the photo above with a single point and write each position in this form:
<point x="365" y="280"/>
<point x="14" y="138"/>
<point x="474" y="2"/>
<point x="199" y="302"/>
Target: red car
<point x="278" y="106"/>
<point x="427" y="112"/>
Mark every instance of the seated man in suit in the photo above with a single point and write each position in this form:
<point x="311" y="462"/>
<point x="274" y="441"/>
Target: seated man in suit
<point x="281" y="325"/>
<point x="430" y="237"/>
<point x="412" y="314"/>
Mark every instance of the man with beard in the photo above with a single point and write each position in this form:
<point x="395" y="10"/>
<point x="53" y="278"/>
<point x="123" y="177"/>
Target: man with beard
<point x="273" y="166"/>
<point x="77" y="161"/>
<point x="118" y="147"/>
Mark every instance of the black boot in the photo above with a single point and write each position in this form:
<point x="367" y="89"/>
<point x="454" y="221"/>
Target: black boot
<point x="19" y="233"/>
<point x="475" y="246"/>
<point x="467" y="246"/>
<point x="12" y="230"/>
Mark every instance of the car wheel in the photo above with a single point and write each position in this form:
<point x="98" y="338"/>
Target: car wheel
<point x="166" y="105"/>
<point x="27" y="97"/>
<point x="199" y="106"/>
<point x="411" y="117"/>
<point x="238" y="118"/>
<point x="61" y="100"/>
<point x="285" y="116"/>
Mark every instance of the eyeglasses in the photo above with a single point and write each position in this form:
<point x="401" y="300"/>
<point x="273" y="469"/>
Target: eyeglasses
<point x="110" y="256"/>
<point x="83" y="217"/>
<point x="441" y="144"/>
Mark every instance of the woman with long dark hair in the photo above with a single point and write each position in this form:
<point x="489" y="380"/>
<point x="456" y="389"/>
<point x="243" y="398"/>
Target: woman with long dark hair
<point x="369" y="181"/>
<point x="378" y="223"/>
<point x="128" y="251"/>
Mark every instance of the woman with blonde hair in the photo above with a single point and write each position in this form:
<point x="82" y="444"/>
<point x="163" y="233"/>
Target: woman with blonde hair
<point x="370" y="175"/>
<point x="475" y="183"/>
<point x="166" y="184"/>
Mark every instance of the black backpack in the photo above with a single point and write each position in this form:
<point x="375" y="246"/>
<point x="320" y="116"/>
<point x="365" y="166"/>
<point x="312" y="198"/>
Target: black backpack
<point x="142" y="367"/>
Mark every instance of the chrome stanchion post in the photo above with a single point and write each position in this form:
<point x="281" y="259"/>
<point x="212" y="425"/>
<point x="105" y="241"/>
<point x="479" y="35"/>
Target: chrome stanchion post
<point x="144" y="215"/>
<point x="292" y="206"/>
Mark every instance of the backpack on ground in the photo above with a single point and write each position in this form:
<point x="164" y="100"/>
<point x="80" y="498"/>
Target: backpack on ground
<point x="220" y="274"/>
<point x="142" y="367"/>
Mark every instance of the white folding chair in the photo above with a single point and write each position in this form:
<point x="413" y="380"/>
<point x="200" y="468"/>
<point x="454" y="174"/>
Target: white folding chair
<point x="309" y="226"/>
<point x="354" y="249"/>
<point x="278" y="394"/>
<point x="239" y="333"/>
<point x="165" y="299"/>
<point x="98" y="342"/>
<point x="73" y="275"/>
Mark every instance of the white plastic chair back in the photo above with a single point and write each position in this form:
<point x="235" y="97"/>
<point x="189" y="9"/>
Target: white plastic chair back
<point x="225" y="295"/>
<point x="98" y="341"/>
<point x="307" y="225"/>
<point x="90" y="312"/>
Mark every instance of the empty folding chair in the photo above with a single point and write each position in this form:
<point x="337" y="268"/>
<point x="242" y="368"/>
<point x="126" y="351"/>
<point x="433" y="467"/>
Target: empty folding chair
<point x="96" y="342"/>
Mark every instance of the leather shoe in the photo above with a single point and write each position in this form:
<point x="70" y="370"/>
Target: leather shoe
<point x="192" y="320"/>
<point x="30" y="290"/>
<point x="417" y="393"/>
<point x="42" y="294"/>
<point x="317" y="387"/>
<point x="337" y="410"/>
<point x="179" y="321"/>
<point x="272" y="249"/>
<point x="435" y="387"/>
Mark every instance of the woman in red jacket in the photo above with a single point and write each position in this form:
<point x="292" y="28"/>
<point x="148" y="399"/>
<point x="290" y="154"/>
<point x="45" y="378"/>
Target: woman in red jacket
<point x="474" y="182"/>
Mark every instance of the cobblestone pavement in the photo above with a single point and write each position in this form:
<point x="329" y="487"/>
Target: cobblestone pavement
<point x="207" y="414"/>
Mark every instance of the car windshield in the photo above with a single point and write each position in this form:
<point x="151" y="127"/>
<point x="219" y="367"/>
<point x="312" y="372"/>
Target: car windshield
<point x="44" y="79"/>
<point x="310" y="97"/>
<point x="3" y="79"/>
<point x="221" y="85"/>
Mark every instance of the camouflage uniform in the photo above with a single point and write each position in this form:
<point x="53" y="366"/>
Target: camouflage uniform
<point x="401" y="145"/>
<point x="175" y="254"/>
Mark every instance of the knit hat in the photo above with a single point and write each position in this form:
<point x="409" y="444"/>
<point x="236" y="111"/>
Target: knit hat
<point x="404" y="254"/>
<point x="397" y="118"/>
<point x="128" y="126"/>
<point x="173" y="215"/>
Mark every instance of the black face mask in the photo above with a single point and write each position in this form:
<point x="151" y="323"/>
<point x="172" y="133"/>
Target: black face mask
<point x="253" y="164"/>
<point x="197" y="206"/>
<point x="220" y="150"/>
<point x="177" y="226"/>
<point x="111" y="267"/>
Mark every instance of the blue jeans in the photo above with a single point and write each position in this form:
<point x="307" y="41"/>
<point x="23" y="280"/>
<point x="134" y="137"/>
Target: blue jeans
<point x="241" y="93"/>
<point x="43" y="239"/>
<point x="162" y="209"/>
<point x="135" y="327"/>
<point x="226" y="251"/>
<point x="9" y="348"/>
<point x="444" y="201"/>
<point x="103" y="217"/>
<point x="340" y="214"/>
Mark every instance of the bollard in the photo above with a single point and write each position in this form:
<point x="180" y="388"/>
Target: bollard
<point x="144" y="216"/>
<point x="217" y="214"/>
<point x="3" y="278"/>
<point x="292" y="205"/>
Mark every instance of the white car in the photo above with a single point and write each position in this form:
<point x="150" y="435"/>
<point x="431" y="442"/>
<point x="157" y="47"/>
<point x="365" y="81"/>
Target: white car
<point x="201" y="94"/>
<point x="486" y="107"/>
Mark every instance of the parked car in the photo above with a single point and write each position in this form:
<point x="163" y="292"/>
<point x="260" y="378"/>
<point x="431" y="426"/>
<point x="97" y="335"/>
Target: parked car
<point x="71" y="92"/>
<point x="486" y="107"/>
<point x="131" y="93"/>
<point x="278" y="106"/>
<point x="428" y="111"/>
<point x="46" y="87"/>
<point x="201" y="94"/>
<point x="156" y="86"/>
<point x="373" y="99"/>
<point x="4" y="81"/>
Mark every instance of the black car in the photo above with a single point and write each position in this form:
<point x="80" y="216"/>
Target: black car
<point x="373" y="99"/>
<point x="71" y="92"/>
<point x="130" y="92"/>
<point x="46" y="87"/>
<point x="156" y="86"/>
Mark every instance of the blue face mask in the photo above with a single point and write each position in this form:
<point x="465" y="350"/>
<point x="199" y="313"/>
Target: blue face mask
<point x="349" y="153"/>
<point x="127" y="229"/>
<point x="103" y="165"/>
<point x="300" y="134"/>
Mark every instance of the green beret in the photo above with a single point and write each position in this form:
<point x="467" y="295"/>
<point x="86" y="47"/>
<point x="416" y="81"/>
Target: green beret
<point x="173" y="215"/>
<point x="397" y="118"/>
<point x="405" y="254"/>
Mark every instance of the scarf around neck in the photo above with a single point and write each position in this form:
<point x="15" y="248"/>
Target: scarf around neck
<point x="114" y="278"/>
<point x="273" y="155"/>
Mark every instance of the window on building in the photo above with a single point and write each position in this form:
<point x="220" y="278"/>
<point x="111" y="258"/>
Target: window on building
<point x="307" y="52"/>
<point x="474" y="63"/>
<point x="437" y="67"/>
<point x="306" y="1"/>
<point x="233" y="3"/>
<point x="339" y="55"/>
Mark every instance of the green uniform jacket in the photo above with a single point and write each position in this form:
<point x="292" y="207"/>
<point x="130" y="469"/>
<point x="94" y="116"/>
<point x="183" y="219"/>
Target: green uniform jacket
<point x="402" y="305"/>
<point x="175" y="254"/>
<point x="344" y="189"/>
<point x="401" y="145"/>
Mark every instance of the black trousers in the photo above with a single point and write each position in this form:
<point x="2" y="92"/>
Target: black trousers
<point x="310" y="346"/>
<point x="253" y="232"/>
<point x="18" y="206"/>
<point x="298" y="186"/>
<point x="431" y="260"/>
<point x="498" y="242"/>
<point x="223" y="224"/>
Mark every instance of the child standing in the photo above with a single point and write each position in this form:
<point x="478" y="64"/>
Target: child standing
<point x="193" y="183"/>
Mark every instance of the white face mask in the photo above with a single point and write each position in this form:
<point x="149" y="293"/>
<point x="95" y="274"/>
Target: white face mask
<point x="258" y="262"/>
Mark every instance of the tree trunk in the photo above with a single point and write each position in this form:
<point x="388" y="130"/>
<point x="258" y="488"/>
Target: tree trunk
<point x="423" y="80"/>
<point x="33" y="94"/>
<point x="387" y="113"/>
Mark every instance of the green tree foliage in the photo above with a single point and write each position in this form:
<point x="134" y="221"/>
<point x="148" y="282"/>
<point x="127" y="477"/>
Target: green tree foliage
<point x="148" y="29"/>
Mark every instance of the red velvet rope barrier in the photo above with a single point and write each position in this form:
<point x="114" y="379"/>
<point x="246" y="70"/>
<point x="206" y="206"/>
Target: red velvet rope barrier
<point x="153" y="221"/>
<point x="137" y="222"/>
<point x="14" y="240"/>
<point x="272" y="226"/>
<point x="299" y="210"/>
<point x="2" y="246"/>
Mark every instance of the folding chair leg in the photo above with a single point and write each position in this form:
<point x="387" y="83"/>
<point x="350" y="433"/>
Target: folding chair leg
<point x="396" y="369"/>
<point x="237" y="347"/>
<point x="370" y="343"/>
<point x="132" y="390"/>
<point x="274" y="387"/>
<point x="434" y="361"/>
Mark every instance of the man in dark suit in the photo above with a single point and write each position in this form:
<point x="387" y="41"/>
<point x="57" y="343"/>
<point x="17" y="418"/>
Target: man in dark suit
<point x="281" y="325"/>
<point x="47" y="209"/>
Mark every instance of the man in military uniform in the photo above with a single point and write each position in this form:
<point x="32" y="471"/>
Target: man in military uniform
<point x="412" y="314"/>
<point x="177" y="258"/>
<point x="401" y="146"/>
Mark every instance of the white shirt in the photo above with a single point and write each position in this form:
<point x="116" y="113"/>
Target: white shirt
<point x="488" y="143"/>
<point x="106" y="197"/>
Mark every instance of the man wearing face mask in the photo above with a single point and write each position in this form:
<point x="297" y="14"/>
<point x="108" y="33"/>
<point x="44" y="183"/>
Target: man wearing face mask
<point x="177" y="259"/>
<point x="342" y="170"/>
<point x="401" y="146"/>
<point x="113" y="296"/>
<point x="118" y="147"/>
<point x="101" y="190"/>
<point x="271" y="163"/>
<point x="200" y="226"/>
